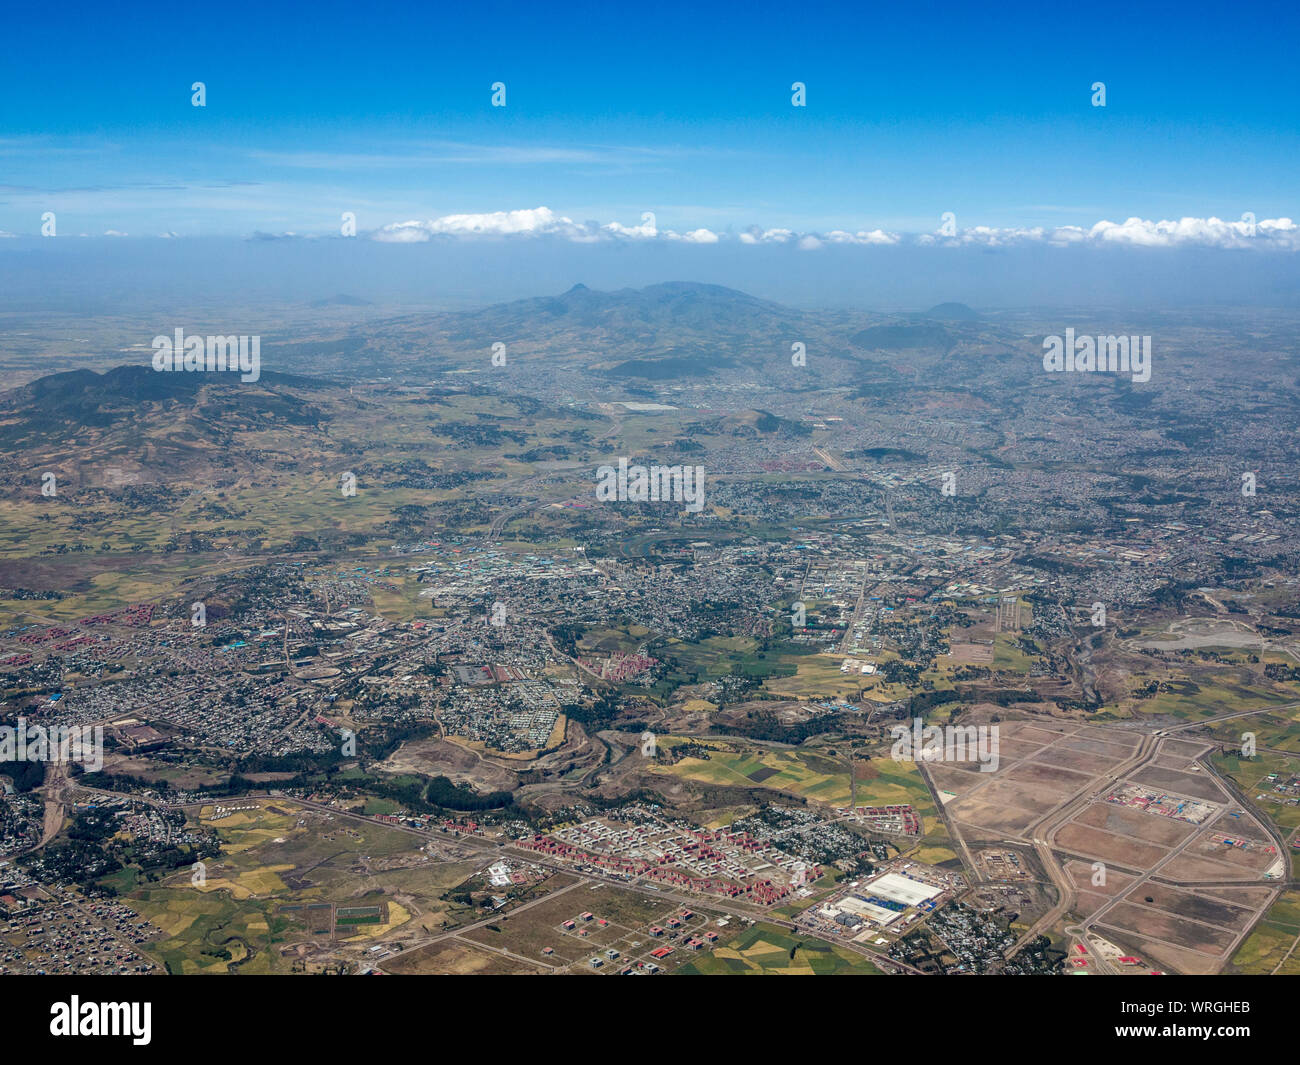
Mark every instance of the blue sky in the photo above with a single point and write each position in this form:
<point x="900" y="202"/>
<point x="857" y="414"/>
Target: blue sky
<point x="384" y="110"/>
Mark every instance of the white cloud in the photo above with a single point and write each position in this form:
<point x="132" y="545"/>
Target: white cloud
<point x="758" y="235"/>
<point x="1068" y="235"/>
<point x="1271" y="233"/>
<point x="695" y="236"/>
<point x="646" y="230"/>
<point x="497" y="223"/>
<point x="1274" y="233"/>
<point x="530" y="222"/>
<point x="1212" y="232"/>
<point x="983" y="236"/>
<point x="862" y="236"/>
<point x="402" y="233"/>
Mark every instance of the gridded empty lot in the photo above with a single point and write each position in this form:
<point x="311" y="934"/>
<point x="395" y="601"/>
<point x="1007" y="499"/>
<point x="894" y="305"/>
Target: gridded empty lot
<point x="1040" y="767"/>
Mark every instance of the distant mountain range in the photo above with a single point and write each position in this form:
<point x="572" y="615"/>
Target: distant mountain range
<point x="674" y="331"/>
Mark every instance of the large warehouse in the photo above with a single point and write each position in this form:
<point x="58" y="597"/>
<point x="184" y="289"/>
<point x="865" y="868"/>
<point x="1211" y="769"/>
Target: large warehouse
<point x="883" y="900"/>
<point x="901" y="889"/>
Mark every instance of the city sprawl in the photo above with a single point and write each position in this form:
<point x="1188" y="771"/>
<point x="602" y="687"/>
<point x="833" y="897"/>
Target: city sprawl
<point x="654" y="631"/>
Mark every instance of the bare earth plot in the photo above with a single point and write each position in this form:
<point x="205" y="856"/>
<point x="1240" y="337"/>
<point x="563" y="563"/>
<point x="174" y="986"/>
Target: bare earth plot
<point x="1040" y="767"/>
<point x="1173" y="842"/>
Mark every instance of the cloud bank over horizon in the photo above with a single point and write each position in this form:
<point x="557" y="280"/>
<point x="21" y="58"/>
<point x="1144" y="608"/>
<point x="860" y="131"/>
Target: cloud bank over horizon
<point x="1277" y="234"/>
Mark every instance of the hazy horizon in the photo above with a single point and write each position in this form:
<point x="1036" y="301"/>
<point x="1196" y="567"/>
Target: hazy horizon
<point x="92" y="274"/>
